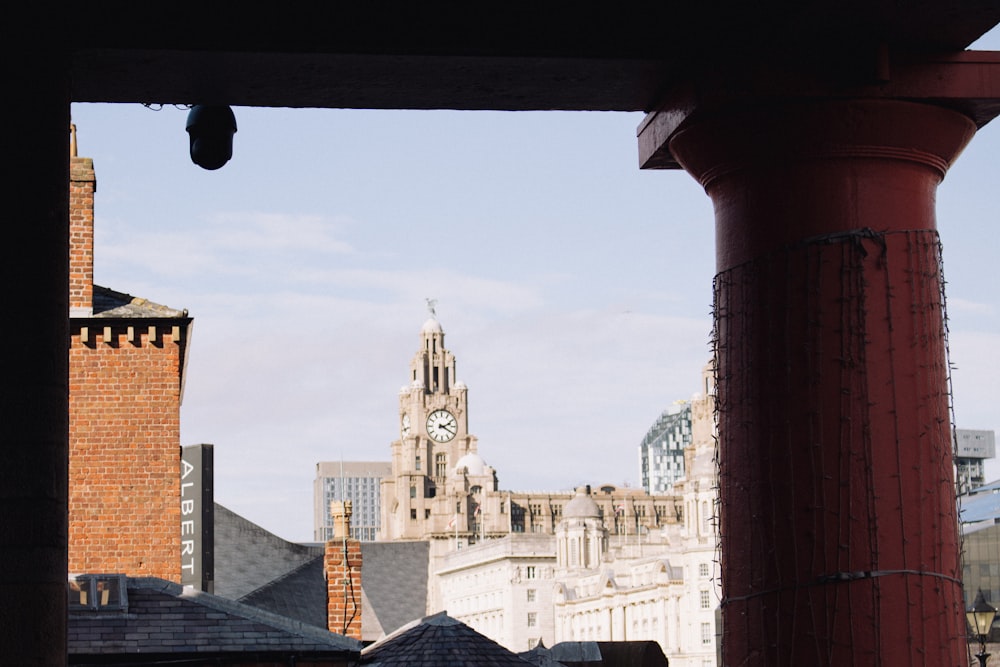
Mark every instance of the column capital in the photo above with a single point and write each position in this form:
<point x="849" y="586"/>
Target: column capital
<point x="967" y="82"/>
<point x="783" y="172"/>
<point x="783" y="135"/>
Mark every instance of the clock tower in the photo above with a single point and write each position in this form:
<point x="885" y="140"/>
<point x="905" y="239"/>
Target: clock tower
<point x="433" y="409"/>
<point x="439" y="485"/>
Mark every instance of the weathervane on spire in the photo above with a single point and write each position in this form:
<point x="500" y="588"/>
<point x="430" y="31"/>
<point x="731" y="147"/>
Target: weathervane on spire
<point x="430" y="307"/>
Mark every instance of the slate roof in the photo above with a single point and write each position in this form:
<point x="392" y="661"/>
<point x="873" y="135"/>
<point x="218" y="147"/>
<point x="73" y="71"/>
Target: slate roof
<point x="609" y="654"/>
<point x="263" y="570"/>
<point x="111" y="304"/>
<point x="393" y="588"/>
<point x="300" y="594"/>
<point x="439" y="640"/>
<point x="165" y="618"/>
<point x="540" y="657"/>
<point x="394" y="581"/>
<point x="248" y="557"/>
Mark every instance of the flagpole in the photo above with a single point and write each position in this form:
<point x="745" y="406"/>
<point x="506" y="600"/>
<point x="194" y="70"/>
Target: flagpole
<point x="625" y="516"/>
<point x="510" y="515"/>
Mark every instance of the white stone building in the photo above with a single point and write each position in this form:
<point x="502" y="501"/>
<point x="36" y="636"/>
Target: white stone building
<point x="662" y="586"/>
<point x="503" y="589"/>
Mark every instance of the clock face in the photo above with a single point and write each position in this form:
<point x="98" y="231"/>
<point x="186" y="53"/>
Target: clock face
<point x="441" y="425"/>
<point x="404" y="427"/>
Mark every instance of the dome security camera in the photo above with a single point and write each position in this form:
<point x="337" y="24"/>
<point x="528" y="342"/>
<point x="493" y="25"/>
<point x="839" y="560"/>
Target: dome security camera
<point x="211" y="130"/>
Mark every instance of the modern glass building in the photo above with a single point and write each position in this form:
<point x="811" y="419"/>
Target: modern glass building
<point x="661" y="454"/>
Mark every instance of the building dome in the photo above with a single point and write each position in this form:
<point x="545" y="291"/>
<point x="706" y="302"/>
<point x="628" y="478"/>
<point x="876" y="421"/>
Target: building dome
<point x="432" y="326"/>
<point x="582" y="506"/>
<point x="473" y="463"/>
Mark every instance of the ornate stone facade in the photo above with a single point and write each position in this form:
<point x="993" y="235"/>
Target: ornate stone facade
<point x="663" y="587"/>
<point x="602" y="563"/>
<point x="442" y="490"/>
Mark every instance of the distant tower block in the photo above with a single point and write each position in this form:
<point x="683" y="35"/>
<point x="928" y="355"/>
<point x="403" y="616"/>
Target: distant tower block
<point x="972" y="449"/>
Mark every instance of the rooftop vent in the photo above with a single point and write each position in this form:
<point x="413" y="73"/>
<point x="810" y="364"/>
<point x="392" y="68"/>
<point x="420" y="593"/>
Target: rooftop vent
<point x="97" y="592"/>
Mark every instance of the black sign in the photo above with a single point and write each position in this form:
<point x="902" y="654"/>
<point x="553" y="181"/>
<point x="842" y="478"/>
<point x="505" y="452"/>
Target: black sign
<point x="197" y="518"/>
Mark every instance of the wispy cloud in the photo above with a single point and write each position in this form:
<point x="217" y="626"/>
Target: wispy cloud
<point x="277" y="232"/>
<point x="956" y="306"/>
<point x="231" y="244"/>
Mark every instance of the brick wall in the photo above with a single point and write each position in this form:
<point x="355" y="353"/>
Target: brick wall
<point x="343" y="586"/>
<point x="124" y="421"/>
<point x="82" y="185"/>
<point x="124" y="469"/>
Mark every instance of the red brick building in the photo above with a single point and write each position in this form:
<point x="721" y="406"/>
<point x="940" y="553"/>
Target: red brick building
<point x="126" y="377"/>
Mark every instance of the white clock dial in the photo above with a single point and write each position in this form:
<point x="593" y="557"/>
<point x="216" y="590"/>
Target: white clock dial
<point x="405" y="425"/>
<point x="441" y="425"/>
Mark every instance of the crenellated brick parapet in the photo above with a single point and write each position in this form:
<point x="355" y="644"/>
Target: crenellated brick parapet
<point x="94" y="333"/>
<point x="124" y="504"/>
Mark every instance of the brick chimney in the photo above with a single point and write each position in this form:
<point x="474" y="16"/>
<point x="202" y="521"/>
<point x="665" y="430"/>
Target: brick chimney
<point x="82" y="185"/>
<point x="342" y="565"/>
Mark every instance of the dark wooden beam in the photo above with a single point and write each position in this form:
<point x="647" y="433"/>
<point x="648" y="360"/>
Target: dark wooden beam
<point x="495" y="56"/>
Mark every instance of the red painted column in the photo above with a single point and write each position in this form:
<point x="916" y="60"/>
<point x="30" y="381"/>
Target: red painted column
<point x="838" y="522"/>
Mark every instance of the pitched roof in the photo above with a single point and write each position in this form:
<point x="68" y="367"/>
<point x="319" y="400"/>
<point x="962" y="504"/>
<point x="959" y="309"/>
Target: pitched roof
<point x="111" y="304"/>
<point x="393" y="588"/>
<point x="263" y="570"/>
<point x="439" y="640"/>
<point x="640" y="653"/>
<point x="299" y="594"/>
<point x="248" y="557"/>
<point x="540" y="657"/>
<point x="394" y="581"/>
<point x="165" y="618"/>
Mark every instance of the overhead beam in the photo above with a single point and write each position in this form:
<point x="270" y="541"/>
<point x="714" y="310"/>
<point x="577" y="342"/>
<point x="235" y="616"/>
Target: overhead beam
<point x="368" y="81"/>
<point x="496" y="56"/>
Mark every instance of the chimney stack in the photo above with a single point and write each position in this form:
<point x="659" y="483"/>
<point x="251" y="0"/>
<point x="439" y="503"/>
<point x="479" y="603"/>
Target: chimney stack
<point x="82" y="185"/>
<point x="342" y="565"/>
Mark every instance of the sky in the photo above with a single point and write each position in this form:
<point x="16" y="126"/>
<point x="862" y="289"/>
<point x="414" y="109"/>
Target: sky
<point x="573" y="288"/>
